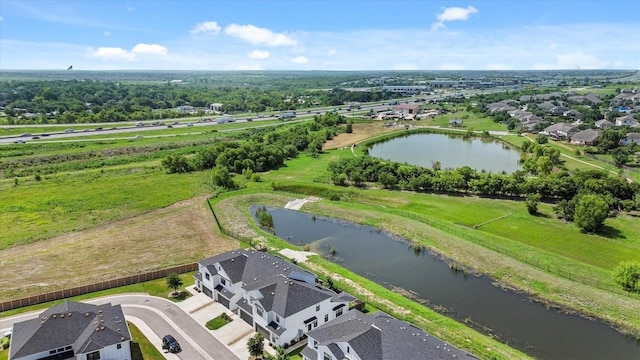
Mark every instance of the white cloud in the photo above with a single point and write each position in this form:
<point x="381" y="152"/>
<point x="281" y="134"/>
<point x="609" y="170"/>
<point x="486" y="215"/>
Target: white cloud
<point x="130" y="8"/>
<point x="331" y="52"/>
<point x="300" y="60"/>
<point x="117" y="53"/>
<point x="149" y="49"/>
<point x="453" y="14"/>
<point x="111" y="53"/>
<point x="259" y="36"/>
<point x="106" y="33"/>
<point x="210" y="27"/>
<point x="257" y="54"/>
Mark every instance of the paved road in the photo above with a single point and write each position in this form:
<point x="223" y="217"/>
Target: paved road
<point x="162" y="317"/>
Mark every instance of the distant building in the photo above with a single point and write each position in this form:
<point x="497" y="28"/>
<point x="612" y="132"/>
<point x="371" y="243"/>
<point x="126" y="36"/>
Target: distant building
<point x="215" y="107"/>
<point x="73" y="330"/>
<point x="455" y="123"/>
<point x="405" y="89"/>
<point x="587" y="137"/>
<point x="603" y="124"/>
<point x="407" y="109"/>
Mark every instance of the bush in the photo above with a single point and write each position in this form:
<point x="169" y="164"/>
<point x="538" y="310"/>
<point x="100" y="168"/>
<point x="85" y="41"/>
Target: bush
<point x="5" y="342"/>
<point x="627" y="274"/>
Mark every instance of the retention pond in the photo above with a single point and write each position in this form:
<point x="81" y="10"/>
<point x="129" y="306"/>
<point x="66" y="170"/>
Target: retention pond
<point x="511" y="317"/>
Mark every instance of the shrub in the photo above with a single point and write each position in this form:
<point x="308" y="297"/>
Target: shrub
<point x="5" y="342"/>
<point x="627" y="274"/>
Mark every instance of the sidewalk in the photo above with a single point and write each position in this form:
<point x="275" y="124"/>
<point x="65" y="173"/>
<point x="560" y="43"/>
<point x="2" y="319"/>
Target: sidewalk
<point x="234" y="335"/>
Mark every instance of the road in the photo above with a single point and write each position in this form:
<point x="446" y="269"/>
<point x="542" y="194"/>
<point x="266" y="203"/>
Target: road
<point x="161" y="317"/>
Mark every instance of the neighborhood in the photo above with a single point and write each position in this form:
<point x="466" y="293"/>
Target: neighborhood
<point x="285" y="303"/>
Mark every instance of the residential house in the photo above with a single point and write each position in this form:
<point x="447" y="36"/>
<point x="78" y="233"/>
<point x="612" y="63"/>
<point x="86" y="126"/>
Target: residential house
<point x="626" y="120"/>
<point x="560" y="131"/>
<point x="572" y="114"/>
<point x="73" y="330"/>
<point x="504" y="105"/>
<point x="633" y="137"/>
<point x="604" y="124"/>
<point x="558" y="110"/>
<point x="376" y="337"/>
<point x="587" y="137"/>
<point x="277" y="298"/>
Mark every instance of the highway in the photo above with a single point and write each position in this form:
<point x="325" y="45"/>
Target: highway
<point x="149" y="125"/>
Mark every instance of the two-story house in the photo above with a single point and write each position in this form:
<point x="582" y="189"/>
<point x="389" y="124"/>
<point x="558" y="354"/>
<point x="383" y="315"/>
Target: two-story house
<point x="276" y="297"/>
<point x="73" y="330"/>
<point x="359" y="336"/>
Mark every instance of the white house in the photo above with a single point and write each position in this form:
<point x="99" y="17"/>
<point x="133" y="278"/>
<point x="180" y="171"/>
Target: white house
<point x="626" y="120"/>
<point x="277" y="298"/>
<point x="73" y="330"/>
<point x="359" y="336"/>
<point x="631" y="138"/>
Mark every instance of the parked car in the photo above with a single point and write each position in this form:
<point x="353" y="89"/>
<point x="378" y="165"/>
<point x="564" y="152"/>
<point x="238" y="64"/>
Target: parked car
<point x="170" y="344"/>
<point x="189" y="124"/>
<point x="36" y="137"/>
<point x="68" y="131"/>
<point x="249" y="119"/>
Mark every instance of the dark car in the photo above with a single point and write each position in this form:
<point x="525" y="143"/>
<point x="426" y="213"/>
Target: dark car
<point x="170" y="344"/>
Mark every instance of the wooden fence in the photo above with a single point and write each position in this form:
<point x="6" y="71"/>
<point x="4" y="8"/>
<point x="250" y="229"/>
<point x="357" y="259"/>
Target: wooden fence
<point x="85" y="289"/>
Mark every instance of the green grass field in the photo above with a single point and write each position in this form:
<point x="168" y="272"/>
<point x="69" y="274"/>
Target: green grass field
<point x="471" y="121"/>
<point x="141" y="347"/>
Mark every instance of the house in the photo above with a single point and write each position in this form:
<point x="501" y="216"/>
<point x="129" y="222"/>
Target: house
<point x="603" y="124"/>
<point x="587" y="137"/>
<point x="560" y="131"/>
<point x="275" y="297"/>
<point x="633" y="137"/>
<point x="73" y="330"/>
<point x="626" y="120"/>
<point x="455" y="123"/>
<point x="376" y="337"/>
<point x="573" y="114"/>
<point x="558" y="110"/>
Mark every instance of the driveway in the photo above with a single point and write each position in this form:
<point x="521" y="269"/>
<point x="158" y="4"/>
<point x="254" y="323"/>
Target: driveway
<point x="158" y="317"/>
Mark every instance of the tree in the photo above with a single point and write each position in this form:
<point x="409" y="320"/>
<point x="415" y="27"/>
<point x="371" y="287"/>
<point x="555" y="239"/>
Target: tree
<point x="256" y="345"/>
<point x="627" y="274"/>
<point x="349" y="129"/>
<point x="542" y="139"/>
<point x="174" y="282"/>
<point x="220" y="176"/>
<point x="280" y="354"/>
<point x="591" y="211"/>
<point x="532" y="203"/>
<point x="620" y="155"/>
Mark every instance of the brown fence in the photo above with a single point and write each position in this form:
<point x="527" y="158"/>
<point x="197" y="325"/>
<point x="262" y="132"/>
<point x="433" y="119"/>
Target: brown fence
<point x="85" y="289"/>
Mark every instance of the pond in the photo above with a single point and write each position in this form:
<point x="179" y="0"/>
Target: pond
<point x="451" y="151"/>
<point x="510" y="317"/>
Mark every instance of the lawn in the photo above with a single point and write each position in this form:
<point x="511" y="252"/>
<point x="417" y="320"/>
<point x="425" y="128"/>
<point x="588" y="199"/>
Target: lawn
<point x="141" y="347"/>
<point x="471" y="120"/>
<point x="218" y="322"/>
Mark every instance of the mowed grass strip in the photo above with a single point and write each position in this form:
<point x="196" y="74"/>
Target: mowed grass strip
<point x="141" y="347"/>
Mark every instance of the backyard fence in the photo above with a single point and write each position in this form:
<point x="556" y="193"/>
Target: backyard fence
<point x="104" y="285"/>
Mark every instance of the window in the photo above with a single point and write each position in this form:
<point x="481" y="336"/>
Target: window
<point x="277" y="319"/>
<point x="68" y="347"/>
<point x="52" y="351"/>
<point x="338" y="312"/>
<point x="223" y="281"/>
<point x="317" y="307"/>
<point x="348" y="349"/>
<point x="119" y="346"/>
<point x="259" y="310"/>
<point x="94" y="355"/>
<point x="206" y="276"/>
<point x="326" y="317"/>
<point x="327" y="357"/>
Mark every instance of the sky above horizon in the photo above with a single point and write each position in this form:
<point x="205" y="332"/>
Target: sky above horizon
<point x="319" y="35"/>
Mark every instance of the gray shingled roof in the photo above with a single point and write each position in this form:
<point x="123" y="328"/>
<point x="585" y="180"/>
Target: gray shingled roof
<point x="249" y="266"/>
<point x="383" y="337"/>
<point x="86" y="327"/>
<point x="286" y="297"/>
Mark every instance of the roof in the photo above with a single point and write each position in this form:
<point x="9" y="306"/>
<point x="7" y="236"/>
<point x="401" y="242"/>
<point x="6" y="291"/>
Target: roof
<point x="560" y="127"/>
<point x="589" y="135"/>
<point x="249" y="266"/>
<point x="382" y="337"/>
<point x="633" y="135"/>
<point x="286" y="297"/>
<point x="85" y="327"/>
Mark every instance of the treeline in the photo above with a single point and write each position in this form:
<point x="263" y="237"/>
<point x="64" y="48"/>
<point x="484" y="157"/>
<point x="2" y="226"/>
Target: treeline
<point x="551" y="186"/>
<point x="263" y="150"/>
<point x="67" y="102"/>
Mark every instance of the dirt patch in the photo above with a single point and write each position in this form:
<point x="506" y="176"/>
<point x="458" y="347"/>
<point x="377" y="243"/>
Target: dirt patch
<point x="361" y="131"/>
<point x="178" y="234"/>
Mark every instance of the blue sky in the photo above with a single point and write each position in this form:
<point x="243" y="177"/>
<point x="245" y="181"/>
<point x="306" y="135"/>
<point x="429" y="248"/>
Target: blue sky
<point x="320" y="35"/>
